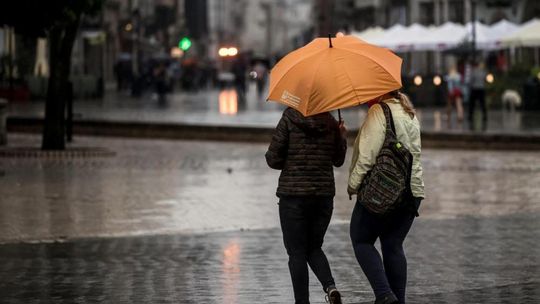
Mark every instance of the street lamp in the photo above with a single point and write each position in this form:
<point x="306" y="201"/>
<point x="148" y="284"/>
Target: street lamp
<point x="437" y="80"/>
<point x="223" y="52"/>
<point x="227" y="52"/>
<point x="233" y="51"/>
<point x="418" y="80"/>
<point x="177" y="52"/>
<point x="490" y="78"/>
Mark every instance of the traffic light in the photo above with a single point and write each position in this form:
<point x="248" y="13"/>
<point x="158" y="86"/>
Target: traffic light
<point x="184" y="44"/>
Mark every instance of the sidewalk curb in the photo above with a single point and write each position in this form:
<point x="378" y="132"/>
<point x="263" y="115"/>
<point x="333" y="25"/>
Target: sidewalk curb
<point x="443" y="140"/>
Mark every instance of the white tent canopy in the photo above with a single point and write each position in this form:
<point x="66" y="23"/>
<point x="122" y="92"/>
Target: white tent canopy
<point x="499" y="30"/>
<point x="483" y="35"/>
<point x="369" y="34"/>
<point x="449" y="35"/>
<point x="526" y="36"/>
<point x="391" y="36"/>
<point x="489" y="37"/>
<point x="446" y="36"/>
<point x="414" y="36"/>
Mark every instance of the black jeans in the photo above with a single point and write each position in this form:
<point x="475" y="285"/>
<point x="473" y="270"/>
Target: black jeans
<point x="304" y="221"/>
<point x="480" y="96"/>
<point x="390" y="275"/>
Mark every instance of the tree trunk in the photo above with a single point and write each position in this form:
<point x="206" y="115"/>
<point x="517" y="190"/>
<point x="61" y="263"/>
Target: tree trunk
<point x="61" y="40"/>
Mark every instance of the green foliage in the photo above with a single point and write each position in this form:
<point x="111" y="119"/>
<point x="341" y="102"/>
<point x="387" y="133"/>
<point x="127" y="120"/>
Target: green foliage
<point x="514" y="79"/>
<point x="535" y="71"/>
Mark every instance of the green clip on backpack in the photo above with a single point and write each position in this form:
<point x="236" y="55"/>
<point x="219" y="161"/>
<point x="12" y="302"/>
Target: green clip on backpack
<point x="387" y="185"/>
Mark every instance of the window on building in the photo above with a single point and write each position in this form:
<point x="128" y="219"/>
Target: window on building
<point x="397" y="12"/>
<point x="456" y="11"/>
<point x="364" y="18"/>
<point x="427" y="13"/>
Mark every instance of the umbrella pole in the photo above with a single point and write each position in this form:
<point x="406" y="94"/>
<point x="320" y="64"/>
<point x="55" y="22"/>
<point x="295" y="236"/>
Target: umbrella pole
<point x="330" y="40"/>
<point x="339" y="115"/>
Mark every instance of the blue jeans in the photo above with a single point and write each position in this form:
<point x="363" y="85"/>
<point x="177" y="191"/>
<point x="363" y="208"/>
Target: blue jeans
<point x="387" y="275"/>
<point x="304" y="221"/>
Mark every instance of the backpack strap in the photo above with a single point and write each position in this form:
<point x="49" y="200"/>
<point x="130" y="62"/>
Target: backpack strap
<point x="390" y="128"/>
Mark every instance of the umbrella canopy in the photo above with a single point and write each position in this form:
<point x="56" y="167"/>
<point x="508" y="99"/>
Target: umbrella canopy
<point x="318" y="78"/>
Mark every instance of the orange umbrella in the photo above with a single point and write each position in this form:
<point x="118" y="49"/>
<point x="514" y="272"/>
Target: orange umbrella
<point x="334" y="73"/>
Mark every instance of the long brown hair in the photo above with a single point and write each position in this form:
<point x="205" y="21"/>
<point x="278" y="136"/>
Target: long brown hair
<point x="405" y="102"/>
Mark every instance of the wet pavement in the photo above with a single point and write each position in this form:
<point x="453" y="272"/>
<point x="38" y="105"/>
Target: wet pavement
<point x="187" y="221"/>
<point x="225" y="108"/>
<point x="465" y="260"/>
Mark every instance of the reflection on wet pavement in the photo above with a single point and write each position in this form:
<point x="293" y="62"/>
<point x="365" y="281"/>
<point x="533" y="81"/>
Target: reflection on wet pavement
<point x="231" y="272"/>
<point x="228" y="102"/>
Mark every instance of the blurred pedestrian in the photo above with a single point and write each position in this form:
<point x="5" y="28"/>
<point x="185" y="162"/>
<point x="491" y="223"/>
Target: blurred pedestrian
<point x="478" y="93"/>
<point x="123" y="73"/>
<point x="454" y="83"/>
<point x="239" y="69"/>
<point x="160" y="82"/>
<point x="305" y="149"/>
<point x="173" y="75"/>
<point x="261" y="73"/>
<point x="387" y="276"/>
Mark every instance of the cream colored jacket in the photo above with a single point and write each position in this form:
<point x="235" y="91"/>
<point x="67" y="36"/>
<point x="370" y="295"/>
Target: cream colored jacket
<point x="370" y="139"/>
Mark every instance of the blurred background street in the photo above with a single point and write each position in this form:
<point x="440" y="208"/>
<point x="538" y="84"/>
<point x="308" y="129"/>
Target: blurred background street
<point x="223" y="108"/>
<point x="98" y="203"/>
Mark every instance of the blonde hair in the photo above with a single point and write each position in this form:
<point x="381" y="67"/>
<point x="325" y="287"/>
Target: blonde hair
<point x="406" y="104"/>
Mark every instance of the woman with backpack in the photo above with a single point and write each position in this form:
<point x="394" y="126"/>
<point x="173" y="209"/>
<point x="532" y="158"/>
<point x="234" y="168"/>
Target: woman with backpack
<point x="306" y="149"/>
<point x="390" y="136"/>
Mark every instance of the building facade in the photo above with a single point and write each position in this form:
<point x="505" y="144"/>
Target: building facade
<point x="361" y="14"/>
<point x="262" y="27"/>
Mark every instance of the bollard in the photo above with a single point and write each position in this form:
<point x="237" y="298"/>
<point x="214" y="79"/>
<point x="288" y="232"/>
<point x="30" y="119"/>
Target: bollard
<point x="3" y="117"/>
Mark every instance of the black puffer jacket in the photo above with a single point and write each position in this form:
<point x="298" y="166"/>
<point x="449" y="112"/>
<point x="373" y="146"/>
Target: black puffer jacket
<point x="306" y="149"/>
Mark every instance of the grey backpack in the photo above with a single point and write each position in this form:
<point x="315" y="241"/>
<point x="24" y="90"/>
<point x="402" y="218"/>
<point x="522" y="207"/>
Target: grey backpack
<point x="387" y="185"/>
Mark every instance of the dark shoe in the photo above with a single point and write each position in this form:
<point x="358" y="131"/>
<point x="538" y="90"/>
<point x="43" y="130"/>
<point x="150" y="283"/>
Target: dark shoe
<point x="333" y="296"/>
<point x="387" y="299"/>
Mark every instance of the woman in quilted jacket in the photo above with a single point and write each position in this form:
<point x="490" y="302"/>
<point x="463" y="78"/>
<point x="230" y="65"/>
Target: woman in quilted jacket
<point x="387" y="276"/>
<point x="306" y="149"/>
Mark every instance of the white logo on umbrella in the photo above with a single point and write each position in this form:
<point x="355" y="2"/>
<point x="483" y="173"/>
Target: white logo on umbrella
<point x="290" y="99"/>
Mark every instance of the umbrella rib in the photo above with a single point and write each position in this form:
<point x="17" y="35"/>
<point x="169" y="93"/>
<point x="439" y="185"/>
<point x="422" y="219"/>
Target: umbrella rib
<point x="313" y="80"/>
<point x="350" y="83"/>
<point x="368" y="57"/>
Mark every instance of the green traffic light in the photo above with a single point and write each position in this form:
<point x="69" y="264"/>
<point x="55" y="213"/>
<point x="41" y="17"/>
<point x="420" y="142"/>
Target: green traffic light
<point x="184" y="44"/>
